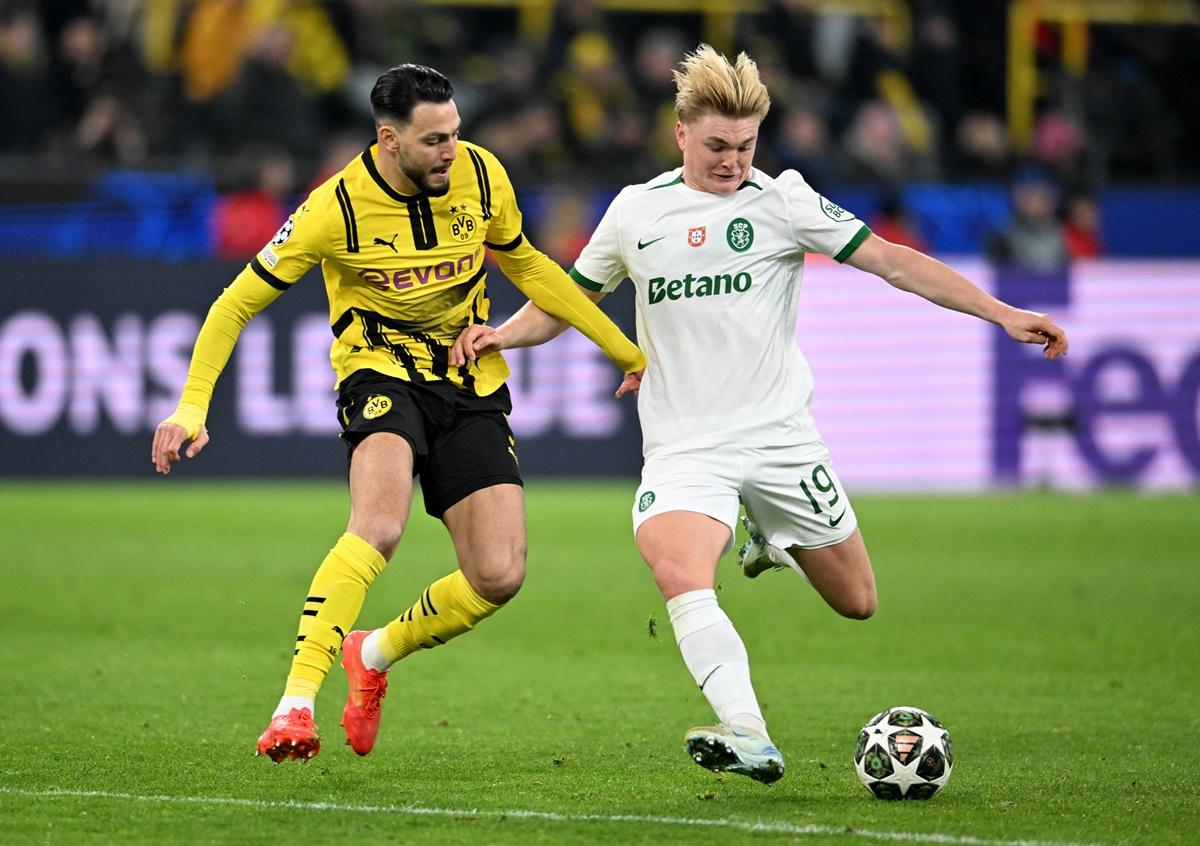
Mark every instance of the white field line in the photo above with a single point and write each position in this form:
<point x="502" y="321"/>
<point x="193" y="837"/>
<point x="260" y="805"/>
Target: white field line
<point x="546" y="816"/>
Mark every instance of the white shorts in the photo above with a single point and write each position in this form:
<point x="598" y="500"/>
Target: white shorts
<point x="796" y="499"/>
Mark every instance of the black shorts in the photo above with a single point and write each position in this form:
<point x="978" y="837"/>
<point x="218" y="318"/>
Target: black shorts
<point x="461" y="442"/>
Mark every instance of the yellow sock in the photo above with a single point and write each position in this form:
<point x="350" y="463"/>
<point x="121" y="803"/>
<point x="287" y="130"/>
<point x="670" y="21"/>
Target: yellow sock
<point x="448" y="607"/>
<point x="334" y="600"/>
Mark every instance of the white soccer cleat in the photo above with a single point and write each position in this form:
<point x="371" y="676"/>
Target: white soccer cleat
<point x="757" y="556"/>
<point x="725" y="750"/>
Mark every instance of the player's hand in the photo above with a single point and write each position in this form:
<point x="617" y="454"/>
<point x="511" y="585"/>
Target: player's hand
<point x="472" y="342"/>
<point x="168" y="438"/>
<point x="631" y="383"/>
<point x="1031" y="327"/>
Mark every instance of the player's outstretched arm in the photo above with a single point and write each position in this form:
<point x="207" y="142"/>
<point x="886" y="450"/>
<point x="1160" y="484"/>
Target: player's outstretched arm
<point x="243" y="299"/>
<point x="927" y="277"/>
<point x="529" y="327"/>
<point x="549" y="287"/>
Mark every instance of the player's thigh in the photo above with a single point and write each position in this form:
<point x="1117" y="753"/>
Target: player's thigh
<point x="383" y="426"/>
<point x="472" y="482"/>
<point x="488" y="530"/>
<point x="796" y="500"/>
<point x="684" y="514"/>
<point x="473" y="451"/>
<point x="800" y="505"/>
<point x="682" y="549"/>
<point x="841" y="573"/>
<point x="381" y="473"/>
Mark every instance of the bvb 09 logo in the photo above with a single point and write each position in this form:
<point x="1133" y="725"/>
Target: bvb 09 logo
<point x="462" y="227"/>
<point x="740" y="234"/>
<point x="377" y="406"/>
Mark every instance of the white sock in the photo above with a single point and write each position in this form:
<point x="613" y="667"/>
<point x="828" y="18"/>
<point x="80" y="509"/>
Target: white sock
<point x="287" y="703"/>
<point x="372" y="655"/>
<point x="714" y="653"/>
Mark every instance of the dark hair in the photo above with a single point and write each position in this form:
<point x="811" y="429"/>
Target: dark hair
<point x="403" y="87"/>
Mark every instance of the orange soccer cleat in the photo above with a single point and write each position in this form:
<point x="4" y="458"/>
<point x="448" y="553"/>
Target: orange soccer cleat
<point x="360" y="717"/>
<point x="290" y="735"/>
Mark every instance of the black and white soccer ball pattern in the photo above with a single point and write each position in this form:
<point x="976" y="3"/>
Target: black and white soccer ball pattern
<point x="903" y="753"/>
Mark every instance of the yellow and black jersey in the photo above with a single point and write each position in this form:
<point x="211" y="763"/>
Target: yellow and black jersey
<point x="404" y="275"/>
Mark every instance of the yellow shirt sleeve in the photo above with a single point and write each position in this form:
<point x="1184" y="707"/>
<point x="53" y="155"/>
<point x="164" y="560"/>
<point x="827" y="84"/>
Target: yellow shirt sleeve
<point x="298" y="245"/>
<point x="543" y="281"/>
<point x="245" y="297"/>
<point x="549" y="287"/>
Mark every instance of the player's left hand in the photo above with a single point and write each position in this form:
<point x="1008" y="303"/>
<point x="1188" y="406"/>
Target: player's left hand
<point x="631" y="383"/>
<point x="1031" y="327"/>
<point x="473" y="341"/>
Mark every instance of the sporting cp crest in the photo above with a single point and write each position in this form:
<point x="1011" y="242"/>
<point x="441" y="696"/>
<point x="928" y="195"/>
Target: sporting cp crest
<point x="696" y="235"/>
<point x="740" y="234"/>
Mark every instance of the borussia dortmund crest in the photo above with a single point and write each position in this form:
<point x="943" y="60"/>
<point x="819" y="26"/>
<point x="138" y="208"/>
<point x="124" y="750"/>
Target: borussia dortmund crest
<point x="740" y="234"/>
<point x="462" y="227"/>
<point x="377" y="406"/>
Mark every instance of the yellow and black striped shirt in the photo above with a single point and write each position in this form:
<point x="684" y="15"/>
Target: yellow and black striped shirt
<point x="404" y="273"/>
<point x="404" y="276"/>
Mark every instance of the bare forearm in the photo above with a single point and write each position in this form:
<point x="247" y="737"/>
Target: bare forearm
<point x="929" y="278"/>
<point x="530" y="326"/>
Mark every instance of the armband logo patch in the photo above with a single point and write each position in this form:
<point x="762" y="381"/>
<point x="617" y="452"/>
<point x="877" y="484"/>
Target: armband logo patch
<point x="833" y="211"/>
<point x="268" y="257"/>
<point x="284" y="233"/>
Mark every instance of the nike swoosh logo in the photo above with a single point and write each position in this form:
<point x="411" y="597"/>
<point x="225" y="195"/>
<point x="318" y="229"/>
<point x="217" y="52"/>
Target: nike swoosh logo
<point x="833" y="521"/>
<point x="644" y="244"/>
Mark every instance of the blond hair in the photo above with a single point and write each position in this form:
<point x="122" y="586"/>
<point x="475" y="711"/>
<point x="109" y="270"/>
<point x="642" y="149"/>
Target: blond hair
<point x="707" y="82"/>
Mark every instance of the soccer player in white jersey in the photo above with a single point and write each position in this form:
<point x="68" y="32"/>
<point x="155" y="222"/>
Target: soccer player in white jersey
<point x="716" y="252"/>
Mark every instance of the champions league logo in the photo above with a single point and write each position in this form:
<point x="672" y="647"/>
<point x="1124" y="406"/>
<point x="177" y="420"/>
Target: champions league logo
<point x="284" y="233"/>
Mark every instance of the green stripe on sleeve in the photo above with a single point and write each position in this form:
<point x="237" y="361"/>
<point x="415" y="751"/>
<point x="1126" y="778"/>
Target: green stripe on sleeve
<point x="848" y="250"/>
<point x="584" y="281"/>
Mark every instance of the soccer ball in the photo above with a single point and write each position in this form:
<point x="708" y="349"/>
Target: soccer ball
<point x="903" y="753"/>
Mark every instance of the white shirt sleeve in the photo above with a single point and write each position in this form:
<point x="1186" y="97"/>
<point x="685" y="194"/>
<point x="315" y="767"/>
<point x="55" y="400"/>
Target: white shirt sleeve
<point x="818" y="225"/>
<point x="600" y="266"/>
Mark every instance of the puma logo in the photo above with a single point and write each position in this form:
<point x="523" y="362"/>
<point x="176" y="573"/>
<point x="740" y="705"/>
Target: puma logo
<point x="389" y="244"/>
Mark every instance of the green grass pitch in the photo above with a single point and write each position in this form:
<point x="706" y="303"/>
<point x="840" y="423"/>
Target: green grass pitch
<point x="147" y="630"/>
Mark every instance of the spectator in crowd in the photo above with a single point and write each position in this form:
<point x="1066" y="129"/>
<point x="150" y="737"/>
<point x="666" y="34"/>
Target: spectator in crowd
<point x="876" y="151"/>
<point x="894" y="223"/>
<point x="248" y="217"/>
<point x="1034" y="238"/>
<point x="802" y="143"/>
<point x="981" y="150"/>
<point x="24" y="94"/>
<point x="868" y="99"/>
<point x="1081" y="230"/>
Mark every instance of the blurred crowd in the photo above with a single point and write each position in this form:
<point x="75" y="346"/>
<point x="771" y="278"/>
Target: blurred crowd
<point x="271" y="96"/>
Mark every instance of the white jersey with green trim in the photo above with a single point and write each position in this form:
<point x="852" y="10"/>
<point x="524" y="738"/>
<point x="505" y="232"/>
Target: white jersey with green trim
<point x="718" y="281"/>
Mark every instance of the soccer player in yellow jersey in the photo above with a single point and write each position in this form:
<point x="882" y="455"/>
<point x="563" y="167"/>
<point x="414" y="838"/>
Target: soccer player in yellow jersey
<point x="400" y="235"/>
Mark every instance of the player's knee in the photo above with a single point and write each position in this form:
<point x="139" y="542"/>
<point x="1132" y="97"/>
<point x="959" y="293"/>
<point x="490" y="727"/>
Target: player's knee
<point x="858" y="606"/>
<point x="674" y="577"/>
<point x="499" y="579"/>
<point x="383" y="533"/>
<point x="500" y="586"/>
